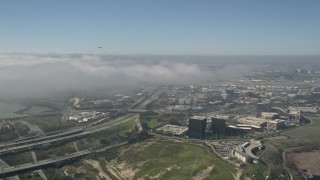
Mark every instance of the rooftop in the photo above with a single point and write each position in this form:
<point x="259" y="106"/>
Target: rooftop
<point x="221" y="117"/>
<point x="200" y="118"/>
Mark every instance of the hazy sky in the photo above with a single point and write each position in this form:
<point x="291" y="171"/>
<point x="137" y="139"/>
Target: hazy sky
<point x="224" y="27"/>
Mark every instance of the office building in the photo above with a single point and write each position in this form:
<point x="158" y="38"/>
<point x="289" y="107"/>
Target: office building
<point x="219" y="125"/>
<point x="197" y="127"/>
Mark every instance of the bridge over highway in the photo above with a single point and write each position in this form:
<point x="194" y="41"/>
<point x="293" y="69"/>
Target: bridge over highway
<point x="16" y="143"/>
<point x="24" y="146"/>
<point x="27" y="166"/>
<point x="38" y="164"/>
<point x="71" y="134"/>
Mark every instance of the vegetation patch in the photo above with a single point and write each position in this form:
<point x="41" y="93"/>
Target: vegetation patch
<point x="300" y="141"/>
<point x="152" y="122"/>
<point x="53" y="123"/>
<point x="178" y="161"/>
<point x="17" y="159"/>
<point x="60" y="150"/>
<point x="307" y="133"/>
<point x="115" y="132"/>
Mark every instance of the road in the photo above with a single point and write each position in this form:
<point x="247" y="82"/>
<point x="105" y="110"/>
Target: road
<point x="110" y="147"/>
<point x="16" y="143"/>
<point x="147" y="101"/>
<point x="136" y="103"/>
<point x="5" y="165"/>
<point x="107" y="125"/>
<point x="253" y="145"/>
<point x="15" y="148"/>
<point x="284" y="163"/>
<point x="43" y="162"/>
<point x="74" y="133"/>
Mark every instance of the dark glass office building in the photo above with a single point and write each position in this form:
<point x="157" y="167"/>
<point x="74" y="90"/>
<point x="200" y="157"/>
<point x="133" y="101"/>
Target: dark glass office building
<point x="219" y="125"/>
<point x="197" y="127"/>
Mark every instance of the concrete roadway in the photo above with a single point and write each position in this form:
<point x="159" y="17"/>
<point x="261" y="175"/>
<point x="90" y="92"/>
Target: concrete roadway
<point x="42" y="142"/>
<point x="65" y="135"/>
<point x="5" y="165"/>
<point x="40" y="138"/>
<point x="6" y="147"/>
<point x="253" y="145"/>
<point x="107" y="125"/>
<point x="43" y="162"/>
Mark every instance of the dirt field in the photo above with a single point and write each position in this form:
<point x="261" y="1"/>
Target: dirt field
<point x="203" y="174"/>
<point x="308" y="163"/>
<point x="96" y="165"/>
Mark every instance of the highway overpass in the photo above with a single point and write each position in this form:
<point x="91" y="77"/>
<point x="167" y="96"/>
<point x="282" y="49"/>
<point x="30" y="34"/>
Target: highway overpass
<point x="30" y="145"/>
<point x="16" y="143"/>
<point x="13" y="169"/>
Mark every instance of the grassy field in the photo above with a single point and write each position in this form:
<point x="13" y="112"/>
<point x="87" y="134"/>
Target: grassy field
<point x="300" y="136"/>
<point x="309" y="133"/>
<point x="272" y="155"/>
<point x="304" y="136"/>
<point x="152" y="122"/>
<point x="58" y="150"/>
<point x="188" y="160"/>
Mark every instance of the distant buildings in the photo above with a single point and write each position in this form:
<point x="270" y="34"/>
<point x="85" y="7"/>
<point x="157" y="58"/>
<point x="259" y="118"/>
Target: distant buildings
<point x="197" y="127"/>
<point x="295" y="116"/>
<point x="230" y="91"/>
<point x="276" y="124"/>
<point x="263" y="106"/>
<point x="253" y="122"/>
<point x="86" y="116"/>
<point x="244" y="152"/>
<point x="241" y="155"/>
<point x="269" y="115"/>
<point x="235" y="130"/>
<point x="303" y="109"/>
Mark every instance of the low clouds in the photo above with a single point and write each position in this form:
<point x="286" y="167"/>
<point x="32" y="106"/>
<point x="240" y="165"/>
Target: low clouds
<point x="25" y="74"/>
<point x="36" y="73"/>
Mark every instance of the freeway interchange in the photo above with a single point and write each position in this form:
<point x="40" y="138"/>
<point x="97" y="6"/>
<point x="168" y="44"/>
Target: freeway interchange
<point x="27" y="166"/>
<point x="28" y="144"/>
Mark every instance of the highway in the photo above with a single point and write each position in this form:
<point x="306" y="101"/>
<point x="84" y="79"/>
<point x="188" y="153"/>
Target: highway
<point x="144" y="110"/>
<point x="106" y="125"/>
<point x="35" y="164"/>
<point x="136" y="103"/>
<point x="15" y="146"/>
<point x="13" y="169"/>
<point x="5" y="150"/>
<point x="75" y="133"/>
<point x="143" y="105"/>
<point x="16" y="143"/>
<point x="5" y="165"/>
